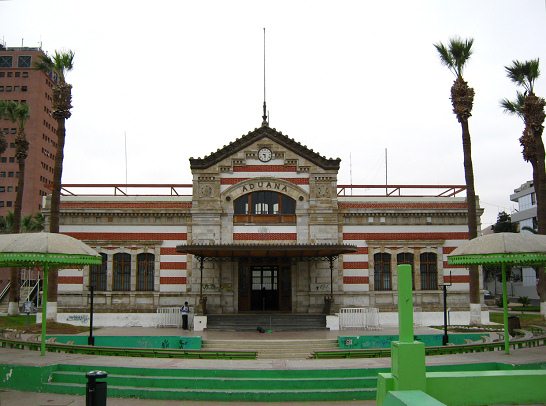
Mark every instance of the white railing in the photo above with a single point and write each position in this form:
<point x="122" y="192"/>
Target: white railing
<point x="359" y="317"/>
<point x="169" y="317"/>
<point x="417" y="317"/>
<point x="372" y="318"/>
<point x="5" y="290"/>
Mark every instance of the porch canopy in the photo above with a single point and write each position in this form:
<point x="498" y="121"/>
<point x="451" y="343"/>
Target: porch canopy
<point x="296" y="251"/>
<point x="302" y="251"/>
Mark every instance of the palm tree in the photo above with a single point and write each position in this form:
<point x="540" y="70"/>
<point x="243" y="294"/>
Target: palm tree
<point x="3" y="141"/>
<point x="455" y="56"/>
<point x="530" y="108"/>
<point x="57" y="67"/>
<point x="17" y="113"/>
<point x="6" y="223"/>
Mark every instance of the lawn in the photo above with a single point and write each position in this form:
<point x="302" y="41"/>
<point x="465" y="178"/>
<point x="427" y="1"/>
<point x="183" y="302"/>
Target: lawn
<point x="525" y="319"/>
<point x="27" y="324"/>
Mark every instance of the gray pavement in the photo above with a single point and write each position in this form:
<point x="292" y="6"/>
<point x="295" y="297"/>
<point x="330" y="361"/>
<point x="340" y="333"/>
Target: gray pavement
<point x="22" y="357"/>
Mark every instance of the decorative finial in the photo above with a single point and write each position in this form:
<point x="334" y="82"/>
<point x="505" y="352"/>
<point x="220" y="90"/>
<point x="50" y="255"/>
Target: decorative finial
<point x="265" y="122"/>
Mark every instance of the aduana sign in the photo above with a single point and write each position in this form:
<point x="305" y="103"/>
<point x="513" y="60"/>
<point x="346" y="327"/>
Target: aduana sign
<point x="264" y="185"/>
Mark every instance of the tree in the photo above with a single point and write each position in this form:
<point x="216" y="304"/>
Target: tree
<point x="57" y="67"/>
<point x="29" y="224"/>
<point x="455" y="55"/>
<point x="17" y="113"/>
<point x="504" y="224"/>
<point x="530" y="108"/>
<point x="3" y="141"/>
<point x="6" y="223"/>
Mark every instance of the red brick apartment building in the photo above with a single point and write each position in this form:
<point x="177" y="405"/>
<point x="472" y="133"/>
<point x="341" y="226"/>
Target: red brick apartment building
<point x="20" y="81"/>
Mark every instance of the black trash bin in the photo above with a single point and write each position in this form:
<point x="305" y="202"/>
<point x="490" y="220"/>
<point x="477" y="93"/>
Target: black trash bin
<point x="95" y="394"/>
<point x="513" y="324"/>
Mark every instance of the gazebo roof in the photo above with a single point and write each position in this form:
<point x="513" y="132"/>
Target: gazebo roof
<point x="29" y="249"/>
<point x="508" y="248"/>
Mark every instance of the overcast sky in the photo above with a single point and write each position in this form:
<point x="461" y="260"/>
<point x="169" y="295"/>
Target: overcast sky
<point x="346" y="78"/>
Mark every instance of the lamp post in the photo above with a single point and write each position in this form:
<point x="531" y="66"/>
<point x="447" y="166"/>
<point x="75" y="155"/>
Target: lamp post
<point x="445" y="338"/>
<point x="91" y="339"/>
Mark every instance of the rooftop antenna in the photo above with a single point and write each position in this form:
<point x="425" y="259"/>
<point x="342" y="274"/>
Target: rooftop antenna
<point x="265" y="122"/>
<point x="386" y="174"/>
<point x="351" y="171"/>
<point x="126" y="181"/>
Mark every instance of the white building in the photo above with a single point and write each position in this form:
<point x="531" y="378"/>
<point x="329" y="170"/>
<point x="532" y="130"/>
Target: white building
<point x="265" y="227"/>
<point x="523" y="281"/>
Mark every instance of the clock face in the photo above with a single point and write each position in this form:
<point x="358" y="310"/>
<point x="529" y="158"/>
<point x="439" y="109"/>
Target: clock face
<point x="264" y="154"/>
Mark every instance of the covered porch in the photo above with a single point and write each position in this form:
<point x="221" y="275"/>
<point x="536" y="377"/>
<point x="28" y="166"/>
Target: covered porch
<point x="264" y="277"/>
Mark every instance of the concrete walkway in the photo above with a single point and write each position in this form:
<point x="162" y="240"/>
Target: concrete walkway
<point x="23" y="357"/>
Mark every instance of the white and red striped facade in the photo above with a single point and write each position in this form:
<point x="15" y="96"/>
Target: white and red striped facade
<point x="379" y="226"/>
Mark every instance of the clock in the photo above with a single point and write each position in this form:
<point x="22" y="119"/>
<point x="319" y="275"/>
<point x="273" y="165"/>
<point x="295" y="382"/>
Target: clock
<point x="265" y="155"/>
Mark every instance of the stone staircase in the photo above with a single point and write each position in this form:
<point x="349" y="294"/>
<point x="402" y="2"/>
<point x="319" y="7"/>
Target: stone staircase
<point x="266" y="321"/>
<point x="273" y="349"/>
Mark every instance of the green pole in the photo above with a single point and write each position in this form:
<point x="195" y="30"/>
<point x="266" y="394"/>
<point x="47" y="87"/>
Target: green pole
<point x="505" y="310"/>
<point x="44" y="312"/>
<point x="405" y="304"/>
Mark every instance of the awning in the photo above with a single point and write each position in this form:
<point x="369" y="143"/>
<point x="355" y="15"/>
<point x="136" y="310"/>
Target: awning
<point x="266" y="250"/>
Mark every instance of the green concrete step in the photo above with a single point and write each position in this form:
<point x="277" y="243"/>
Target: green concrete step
<point x="222" y="385"/>
<point x="244" y="395"/>
<point x="227" y="373"/>
<point x="227" y="383"/>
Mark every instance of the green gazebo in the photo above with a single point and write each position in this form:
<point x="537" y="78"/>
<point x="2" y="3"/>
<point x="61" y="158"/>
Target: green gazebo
<point x="45" y="250"/>
<point x="504" y="249"/>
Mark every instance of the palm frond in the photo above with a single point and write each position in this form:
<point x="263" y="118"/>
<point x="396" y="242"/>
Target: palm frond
<point x="524" y="73"/>
<point x="9" y="110"/>
<point x="59" y="64"/>
<point x="445" y="56"/>
<point x="64" y="62"/>
<point x="456" y="54"/>
<point x="461" y="50"/>
<point x="44" y="64"/>
<point x="514" y="106"/>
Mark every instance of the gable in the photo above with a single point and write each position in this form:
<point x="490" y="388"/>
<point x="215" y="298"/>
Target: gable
<point x="256" y="135"/>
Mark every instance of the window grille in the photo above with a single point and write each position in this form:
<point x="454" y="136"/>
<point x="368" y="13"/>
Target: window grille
<point x="145" y="272"/>
<point x="429" y="271"/>
<point x="97" y="274"/>
<point x="122" y="272"/>
<point x="382" y="271"/>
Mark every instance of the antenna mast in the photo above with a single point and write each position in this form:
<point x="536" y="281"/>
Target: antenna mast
<point x="265" y="122"/>
<point x="386" y="174"/>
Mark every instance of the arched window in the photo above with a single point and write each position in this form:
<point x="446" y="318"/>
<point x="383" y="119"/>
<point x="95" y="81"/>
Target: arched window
<point x="382" y="271"/>
<point x="264" y="207"/>
<point x="122" y="272"/>
<point x="429" y="271"/>
<point x="97" y="274"/>
<point x="145" y="272"/>
<point x="406" y="258"/>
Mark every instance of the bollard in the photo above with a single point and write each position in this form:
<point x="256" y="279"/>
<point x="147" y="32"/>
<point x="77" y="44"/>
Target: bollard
<point x="95" y="394"/>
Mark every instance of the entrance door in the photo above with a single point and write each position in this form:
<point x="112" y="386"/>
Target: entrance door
<point x="265" y="285"/>
<point x="265" y="292"/>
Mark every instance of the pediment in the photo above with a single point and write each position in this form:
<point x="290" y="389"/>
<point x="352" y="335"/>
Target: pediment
<point x="256" y="135"/>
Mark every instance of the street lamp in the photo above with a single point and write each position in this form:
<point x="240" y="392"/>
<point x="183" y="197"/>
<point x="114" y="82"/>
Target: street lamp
<point x="445" y="338"/>
<point x="91" y="339"/>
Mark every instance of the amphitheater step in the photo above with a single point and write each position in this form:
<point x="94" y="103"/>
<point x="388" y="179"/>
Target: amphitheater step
<point x="269" y="321"/>
<point x="273" y="349"/>
<point x="223" y="385"/>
